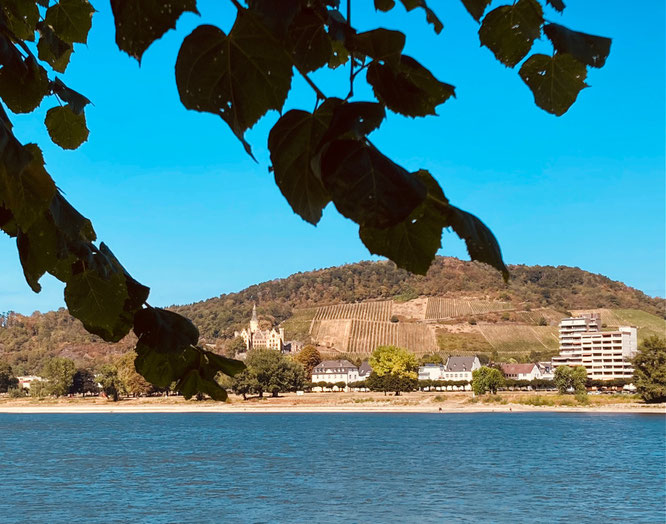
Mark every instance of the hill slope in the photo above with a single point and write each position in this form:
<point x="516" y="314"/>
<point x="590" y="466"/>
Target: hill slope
<point x="462" y="305"/>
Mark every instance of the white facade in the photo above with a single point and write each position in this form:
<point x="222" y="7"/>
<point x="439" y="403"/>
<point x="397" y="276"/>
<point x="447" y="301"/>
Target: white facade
<point x="25" y="381"/>
<point x="521" y="371"/>
<point x="456" y="368"/>
<point x="605" y="354"/>
<point x="333" y="371"/>
<point x="431" y="372"/>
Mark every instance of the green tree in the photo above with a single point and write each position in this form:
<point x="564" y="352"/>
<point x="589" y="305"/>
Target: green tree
<point x="391" y="382"/>
<point x="563" y="378"/>
<point x="308" y="357"/>
<point x="240" y="76"/>
<point x="269" y="371"/>
<point x="7" y="379"/>
<point x="84" y="382"/>
<point x="108" y="379"/>
<point x="131" y="383"/>
<point x="487" y="379"/>
<point x="566" y="378"/>
<point x="579" y="379"/>
<point x="650" y="370"/>
<point x="235" y="347"/>
<point x="393" y="360"/>
<point x="59" y="373"/>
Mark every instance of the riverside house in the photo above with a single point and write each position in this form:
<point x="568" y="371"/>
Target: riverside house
<point x="456" y="368"/>
<point x="333" y="371"/>
<point x="521" y="371"/>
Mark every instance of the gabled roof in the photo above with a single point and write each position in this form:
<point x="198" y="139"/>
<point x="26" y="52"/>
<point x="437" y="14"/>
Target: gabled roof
<point x="460" y="363"/>
<point x="325" y="364"/>
<point x="517" y="369"/>
<point x="365" y="369"/>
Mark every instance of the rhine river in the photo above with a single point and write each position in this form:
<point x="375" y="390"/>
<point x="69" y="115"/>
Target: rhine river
<point x="217" y="467"/>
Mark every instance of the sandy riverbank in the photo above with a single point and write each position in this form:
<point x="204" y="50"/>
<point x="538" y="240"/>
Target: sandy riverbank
<point x="335" y="403"/>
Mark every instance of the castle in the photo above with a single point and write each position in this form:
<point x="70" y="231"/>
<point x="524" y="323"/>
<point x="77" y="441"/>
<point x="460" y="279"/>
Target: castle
<point x="256" y="338"/>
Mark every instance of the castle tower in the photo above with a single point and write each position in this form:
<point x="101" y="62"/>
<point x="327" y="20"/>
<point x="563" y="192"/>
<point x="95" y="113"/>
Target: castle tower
<point x="254" y="323"/>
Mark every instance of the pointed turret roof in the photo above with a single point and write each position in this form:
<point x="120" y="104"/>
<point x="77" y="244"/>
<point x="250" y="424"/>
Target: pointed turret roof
<point x="254" y="312"/>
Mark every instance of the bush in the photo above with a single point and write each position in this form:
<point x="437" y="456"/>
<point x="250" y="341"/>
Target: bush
<point x="581" y="398"/>
<point x="17" y="393"/>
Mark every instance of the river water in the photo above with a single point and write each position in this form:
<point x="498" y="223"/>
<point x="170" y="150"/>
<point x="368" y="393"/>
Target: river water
<point x="218" y="467"/>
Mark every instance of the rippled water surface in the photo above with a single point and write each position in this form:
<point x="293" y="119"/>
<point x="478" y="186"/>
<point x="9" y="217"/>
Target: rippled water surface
<point x="519" y="467"/>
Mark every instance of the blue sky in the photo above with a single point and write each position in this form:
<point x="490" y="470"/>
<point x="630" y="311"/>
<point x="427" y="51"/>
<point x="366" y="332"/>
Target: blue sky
<point x="188" y="213"/>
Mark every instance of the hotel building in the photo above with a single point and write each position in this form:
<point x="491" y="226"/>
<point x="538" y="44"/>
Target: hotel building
<point x="605" y="354"/>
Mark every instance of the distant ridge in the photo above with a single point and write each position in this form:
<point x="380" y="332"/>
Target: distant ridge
<point x="28" y="340"/>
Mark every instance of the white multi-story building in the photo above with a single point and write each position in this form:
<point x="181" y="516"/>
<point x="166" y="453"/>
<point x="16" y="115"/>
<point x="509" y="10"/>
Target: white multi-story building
<point x="333" y="371"/>
<point x="605" y="354"/>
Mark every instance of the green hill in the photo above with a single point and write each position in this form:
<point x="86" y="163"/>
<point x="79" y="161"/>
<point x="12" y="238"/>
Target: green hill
<point x="458" y="306"/>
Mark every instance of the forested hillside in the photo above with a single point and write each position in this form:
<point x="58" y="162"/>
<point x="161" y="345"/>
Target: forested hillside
<point x="26" y="341"/>
<point x="563" y="288"/>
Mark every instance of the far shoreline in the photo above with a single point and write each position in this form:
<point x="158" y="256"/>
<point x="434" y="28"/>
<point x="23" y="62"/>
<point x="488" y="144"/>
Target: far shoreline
<point x="253" y="409"/>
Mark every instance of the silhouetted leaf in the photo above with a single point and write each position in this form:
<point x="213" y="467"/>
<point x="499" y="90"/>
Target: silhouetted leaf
<point x="476" y="8"/>
<point x="589" y="49"/>
<point x="137" y="293"/>
<point x="558" y="5"/>
<point x="7" y="223"/>
<point x="76" y="100"/>
<point x="59" y="238"/>
<point x="510" y="30"/>
<point x="384" y="5"/>
<point x="53" y="50"/>
<point x="481" y="243"/>
<point x="276" y="16"/>
<point x="340" y="54"/>
<point x="366" y="186"/>
<point x="23" y="85"/>
<point x="410" y="89"/>
<point x="200" y="377"/>
<point x="164" y="331"/>
<point x="311" y="45"/>
<point x="431" y="17"/>
<point x="140" y="22"/>
<point x="239" y="77"/>
<point x="218" y="363"/>
<point x="29" y="191"/>
<point x="96" y="295"/>
<point x="74" y="227"/>
<point x="413" y="243"/>
<point x="193" y="383"/>
<point x="21" y="18"/>
<point x="555" y="81"/>
<point x="353" y="120"/>
<point x="65" y="127"/>
<point x="71" y="20"/>
<point x="162" y="369"/>
<point x="380" y="44"/>
<point x="292" y="143"/>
